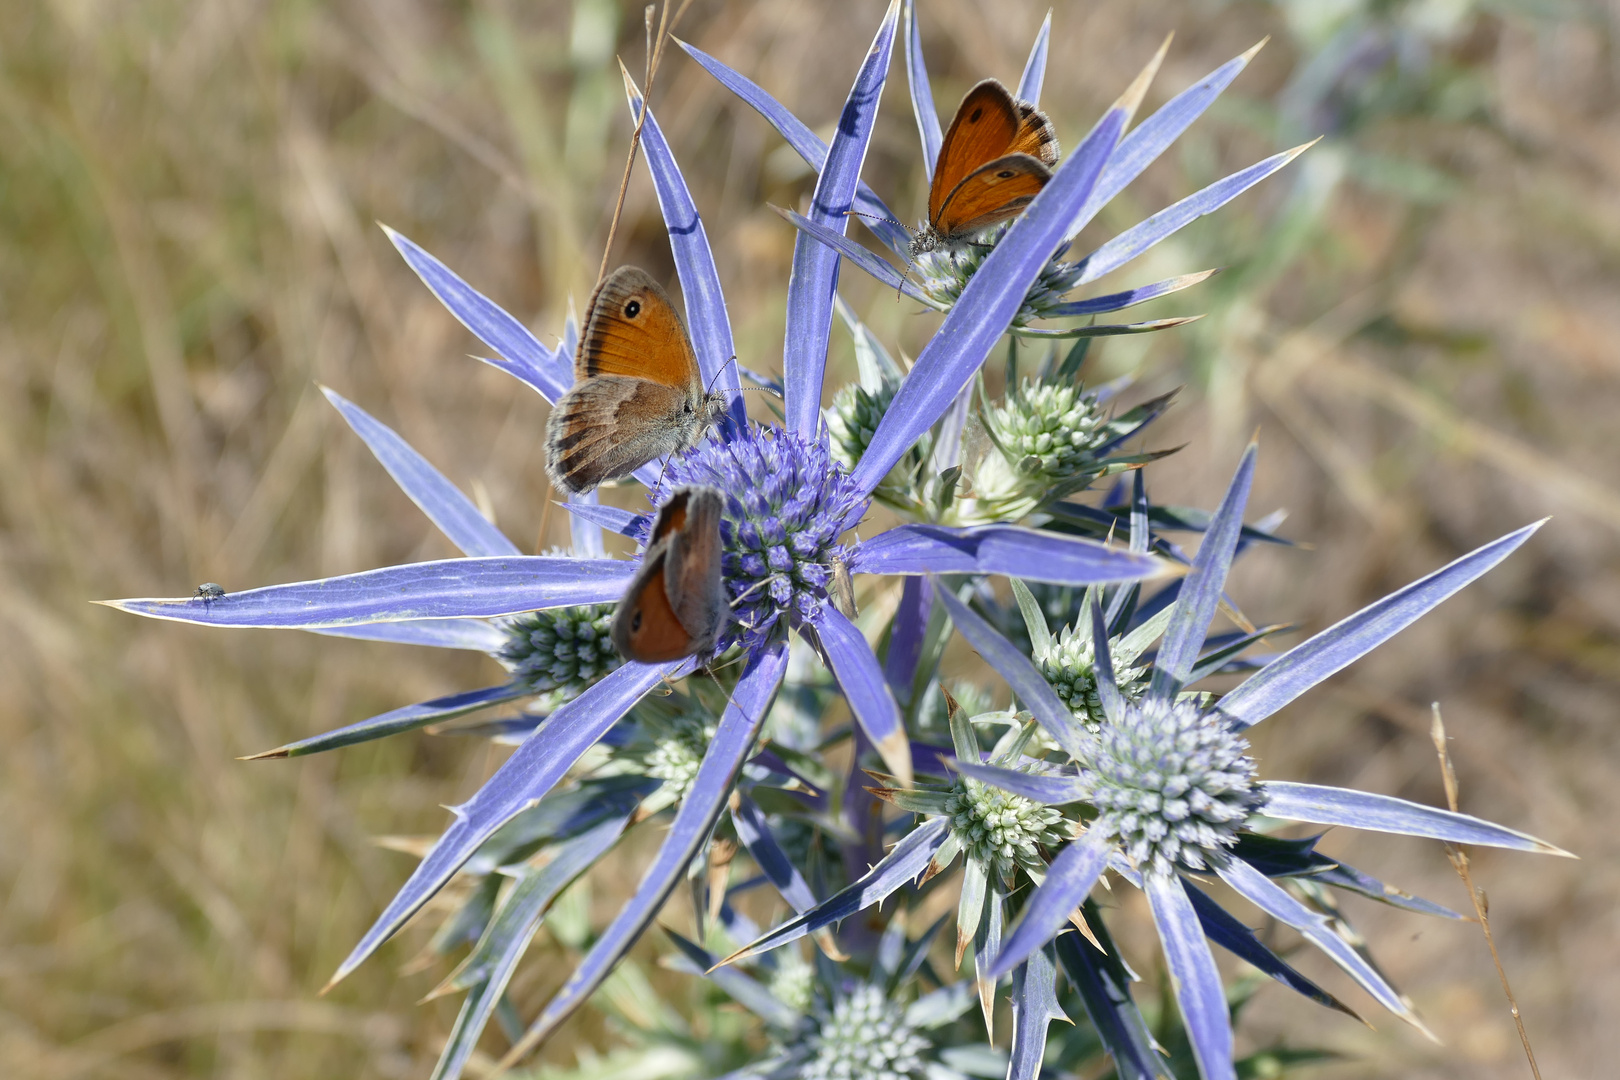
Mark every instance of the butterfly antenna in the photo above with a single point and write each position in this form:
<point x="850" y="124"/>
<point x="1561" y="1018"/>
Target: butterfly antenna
<point x="742" y="389"/>
<point x="655" y="53"/>
<point x="899" y="290"/>
<point x="716" y="376"/>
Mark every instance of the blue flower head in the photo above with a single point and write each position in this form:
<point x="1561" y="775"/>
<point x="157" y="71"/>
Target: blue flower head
<point x="787" y="504"/>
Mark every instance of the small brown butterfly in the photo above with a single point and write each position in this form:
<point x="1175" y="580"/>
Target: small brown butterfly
<point x="995" y="158"/>
<point x="676" y="604"/>
<point x="638" y="392"/>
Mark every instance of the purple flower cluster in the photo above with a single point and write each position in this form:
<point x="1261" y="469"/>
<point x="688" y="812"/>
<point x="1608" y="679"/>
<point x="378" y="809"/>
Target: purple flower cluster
<point x="787" y="504"/>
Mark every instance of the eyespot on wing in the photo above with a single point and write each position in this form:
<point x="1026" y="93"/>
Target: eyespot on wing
<point x="993" y="192"/>
<point x="632" y="328"/>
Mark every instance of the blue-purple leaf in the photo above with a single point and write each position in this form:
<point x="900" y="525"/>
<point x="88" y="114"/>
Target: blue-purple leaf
<point x="875" y="215"/>
<point x="584" y="534"/>
<point x="744" y="989"/>
<point x="1192" y="973"/>
<point x="1142" y="146"/>
<point x="1013" y="550"/>
<point x="406" y="718"/>
<point x="1104" y="986"/>
<point x="1034" y="1005"/>
<point x="814" y="277"/>
<point x="488" y="969"/>
<point x="861" y="680"/>
<point x="449" y="588"/>
<point x="1224" y="929"/>
<point x="855" y="253"/>
<point x="525" y="357"/>
<point x="1068" y="880"/>
<point x="700" y="809"/>
<point x="474" y="634"/>
<point x="439" y="499"/>
<point x="520" y="783"/>
<point x="1308" y="663"/>
<point x="1029" y="83"/>
<point x="611" y="518"/>
<point x="706" y="317"/>
<point x="1137" y="239"/>
<point x="1046" y="790"/>
<point x="755" y="833"/>
<point x="907" y="633"/>
<point x="922" y="95"/>
<point x="1271" y="898"/>
<point x="1023" y="676"/>
<point x="905" y="861"/>
<point x="1384" y="813"/>
<point x="1129" y="297"/>
<point x="1113" y="705"/>
<point x="1201" y="589"/>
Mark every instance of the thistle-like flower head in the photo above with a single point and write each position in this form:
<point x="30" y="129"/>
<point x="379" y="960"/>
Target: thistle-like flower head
<point x="1000" y="829"/>
<point x="1070" y="666"/>
<point x="1173" y="783"/>
<point x="1048" y="429"/>
<point x="787" y="502"/>
<point x="944" y="270"/>
<point x="864" y="1036"/>
<point x="678" y="742"/>
<point x="559" y="652"/>
<point x="853" y="418"/>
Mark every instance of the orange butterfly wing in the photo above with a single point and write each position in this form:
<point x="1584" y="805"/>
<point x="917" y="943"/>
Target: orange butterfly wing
<point x="645" y="627"/>
<point x="693" y="568"/>
<point x="676" y="605"/>
<point x="993" y="192"/>
<point x="1036" y="136"/>
<point x="633" y="329"/>
<point x="984" y="128"/>
<point x="671" y="517"/>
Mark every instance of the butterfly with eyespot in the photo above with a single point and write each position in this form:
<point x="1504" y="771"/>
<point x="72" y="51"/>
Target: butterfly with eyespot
<point x="676" y="603"/>
<point x="638" y="392"/>
<point x="996" y="157"/>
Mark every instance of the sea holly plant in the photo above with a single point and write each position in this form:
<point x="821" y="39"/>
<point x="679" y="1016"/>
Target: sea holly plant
<point x="790" y="517"/>
<point x="814" y="759"/>
<point x="1162" y="792"/>
<point x="1166" y="787"/>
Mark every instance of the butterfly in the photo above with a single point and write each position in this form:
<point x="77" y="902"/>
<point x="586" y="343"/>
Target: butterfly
<point x="638" y="392"/>
<point x="676" y="603"/>
<point x="996" y="157"/>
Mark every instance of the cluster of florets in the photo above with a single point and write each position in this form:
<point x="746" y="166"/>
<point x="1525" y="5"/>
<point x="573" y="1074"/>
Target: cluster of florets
<point x="853" y="418"/>
<point x="1002" y="830"/>
<point x="678" y="742"/>
<point x="944" y="272"/>
<point x="793" y="980"/>
<point x="865" y="1037"/>
<point x="1172" y="783"/>
<point x="1048" y="430"/>
<point x="787" y="502"/>
<point x="1070" y="666"/>
<point x="560" y="652"/>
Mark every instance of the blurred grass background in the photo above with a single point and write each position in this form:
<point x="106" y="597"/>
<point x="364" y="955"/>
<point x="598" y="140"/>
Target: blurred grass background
<point x="1420" y="315"/>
